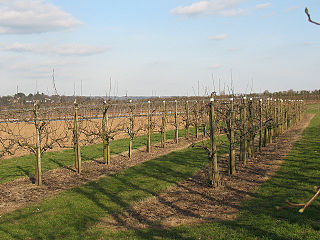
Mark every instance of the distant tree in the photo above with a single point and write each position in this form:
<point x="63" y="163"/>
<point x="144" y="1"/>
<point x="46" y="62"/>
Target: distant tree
<point x="19" y="95"/>
<point x="266" y="92"/>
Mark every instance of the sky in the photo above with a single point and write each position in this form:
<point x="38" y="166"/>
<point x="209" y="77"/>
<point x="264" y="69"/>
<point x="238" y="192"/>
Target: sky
<point x="158" y="48"/>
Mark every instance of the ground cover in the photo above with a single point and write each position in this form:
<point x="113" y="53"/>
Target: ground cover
<point x="266" y="215"/>
<point x="70" y="214"/>
<point x="18" y="167"/>
<point x="76" y="214"/>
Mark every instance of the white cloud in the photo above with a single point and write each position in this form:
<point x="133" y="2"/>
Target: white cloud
<point x="217" y="7"/>
<point x="263" y="5"/>
<point x="215" y="66"/>
<point x="33" y="16"/>
<point x="233" y="49"/>
<point x="233" y="12"/>
<point x="308" y="43"/>
<point x="65" y="50"/>
<point x="292" y="8"/>
<point x="218" y="37"/>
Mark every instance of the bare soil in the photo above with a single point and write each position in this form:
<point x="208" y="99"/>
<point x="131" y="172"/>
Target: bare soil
<point x="59" y="129"/>
<point x="22" y="192"/>
<point x="191" y="201"/>
<point x="194" y="201"/>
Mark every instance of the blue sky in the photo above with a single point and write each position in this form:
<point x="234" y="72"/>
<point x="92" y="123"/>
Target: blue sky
<point x="158" y="47"/>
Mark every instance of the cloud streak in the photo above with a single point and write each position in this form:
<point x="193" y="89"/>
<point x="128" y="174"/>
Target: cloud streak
<point x="218" y="37"/>
<point x="263" y="5"/>
<point x="33" y="16"/>
<point x="63" y="50"/>
<point x="215" y="7"/>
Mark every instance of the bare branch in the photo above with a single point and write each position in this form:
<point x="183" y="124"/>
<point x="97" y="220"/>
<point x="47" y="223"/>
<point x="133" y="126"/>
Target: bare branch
<point x="305" y="205"/>
<point x="309" y="17"/>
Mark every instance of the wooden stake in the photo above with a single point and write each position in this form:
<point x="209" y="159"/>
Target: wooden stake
<point x="176" y="122"/>
<point x="214" y="176"/>
<point x="76" y="139"/>
<point x="232" y="159"/>
<point x="38" y="175"/>
<point x="149" y="128"/>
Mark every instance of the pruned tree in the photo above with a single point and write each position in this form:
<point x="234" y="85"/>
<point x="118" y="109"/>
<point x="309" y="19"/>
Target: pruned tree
<point x="133" y="129"/>
<point x="213" y="174"/>
<point x="104" y="130"/>
<point x="16" y="135"/>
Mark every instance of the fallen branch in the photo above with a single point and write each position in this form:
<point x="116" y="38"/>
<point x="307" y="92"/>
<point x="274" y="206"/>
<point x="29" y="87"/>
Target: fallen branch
<point x="305" y="205"/>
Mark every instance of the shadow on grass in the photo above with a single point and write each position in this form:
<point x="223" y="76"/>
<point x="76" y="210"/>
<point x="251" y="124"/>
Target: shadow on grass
<point x="266" y="215"/>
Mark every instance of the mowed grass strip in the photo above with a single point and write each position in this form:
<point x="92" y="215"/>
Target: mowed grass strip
<point x="266" y="215"/>
<point x="17" y="167"/>
<point x="74" y="213"/>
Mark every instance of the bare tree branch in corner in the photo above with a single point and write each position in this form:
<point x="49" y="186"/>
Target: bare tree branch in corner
<point x="305" y="205"/>
<point x="309" y="17"/>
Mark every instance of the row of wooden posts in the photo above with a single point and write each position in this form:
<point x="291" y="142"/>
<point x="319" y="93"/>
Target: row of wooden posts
<point x="274" y="117"/>
<point x="107" y="133"/>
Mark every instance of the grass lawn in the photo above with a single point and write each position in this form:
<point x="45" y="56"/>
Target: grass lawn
<point x="73" y="214"/>
<point x="17" y="167"/>
<point x="259" y="218"/>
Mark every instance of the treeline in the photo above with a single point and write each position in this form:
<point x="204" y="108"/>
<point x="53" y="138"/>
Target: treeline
<point x="20" y="99"/>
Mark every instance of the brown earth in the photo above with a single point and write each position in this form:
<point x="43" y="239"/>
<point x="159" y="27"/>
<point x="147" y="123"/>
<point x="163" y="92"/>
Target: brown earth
<point x="193" y="201"/>
<point x="21" y="192"/>
<point x="58" y="129"/>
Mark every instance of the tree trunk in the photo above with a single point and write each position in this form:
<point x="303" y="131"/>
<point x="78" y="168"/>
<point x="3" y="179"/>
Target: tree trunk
<point x="214" y="176"/>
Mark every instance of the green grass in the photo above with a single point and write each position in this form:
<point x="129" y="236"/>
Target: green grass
<point x="73" y="214"/>
<point x="259" y="218"/>
<point x="17" y="167"/>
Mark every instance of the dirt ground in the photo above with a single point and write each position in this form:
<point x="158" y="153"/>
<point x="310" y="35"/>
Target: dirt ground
<point x="21" y="192"/>
<point x="193" y="201"/>
<point x="25" y="132"/>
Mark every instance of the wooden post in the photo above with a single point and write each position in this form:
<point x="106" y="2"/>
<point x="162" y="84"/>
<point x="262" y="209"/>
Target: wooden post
<point x="214" y="177"/>
<point x="187" y="120"/>
<point x="281" y="114"/>
<point x="196" y="120"/>
<point x="204" y="120"/>
<point x="276" y="118"/>
<point x="131" y="128"/>
<point x="149" y="128"/>
<point x="243" y="132"/>
<point x="270" y="118"/>
<point x="232" y="159"/>
<point x="265" y="128"/>
<point x="76" y="138"/>
<point x="252" y="130"/>
<point x="176" y="122"/>
<point x="164" y="123"/>
<point x="287" y="114"/>
<point x="106" y="137"/>
<point x="38" y="175"/>
<point x="260" y="125"/>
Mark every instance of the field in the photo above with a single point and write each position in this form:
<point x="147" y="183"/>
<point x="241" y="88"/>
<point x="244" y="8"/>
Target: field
<point x="167" y="196"/>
